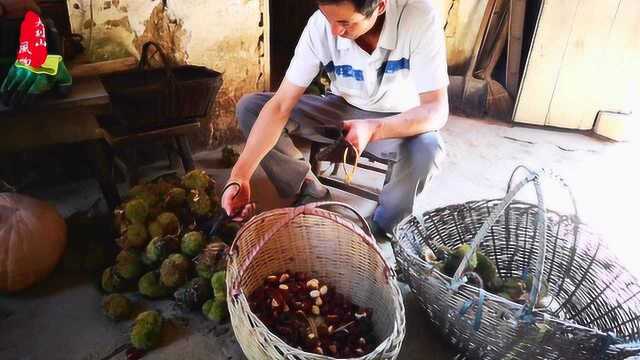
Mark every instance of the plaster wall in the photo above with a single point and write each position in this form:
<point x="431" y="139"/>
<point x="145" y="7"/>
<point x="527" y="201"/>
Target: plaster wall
<point x="226" y="36"/>
<point x="223" y="35"/>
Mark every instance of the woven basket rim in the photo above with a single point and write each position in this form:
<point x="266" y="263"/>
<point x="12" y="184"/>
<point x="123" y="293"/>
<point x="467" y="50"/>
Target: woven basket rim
<point x="240" y="297"/>
<point x="312" y="210"/>
<point x="554" y="215"/>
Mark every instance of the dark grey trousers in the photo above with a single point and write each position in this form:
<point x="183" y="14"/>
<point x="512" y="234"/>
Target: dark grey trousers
<point x="417" y="158"/>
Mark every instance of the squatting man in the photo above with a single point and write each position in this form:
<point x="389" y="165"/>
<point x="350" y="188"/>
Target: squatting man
<point x="386" y="60"/>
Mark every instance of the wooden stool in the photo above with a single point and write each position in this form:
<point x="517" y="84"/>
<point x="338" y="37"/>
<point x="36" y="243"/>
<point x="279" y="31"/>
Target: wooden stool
<point x="352" y="189"/>
<point x="69" y="120"/>
<point x="175" y="135"/>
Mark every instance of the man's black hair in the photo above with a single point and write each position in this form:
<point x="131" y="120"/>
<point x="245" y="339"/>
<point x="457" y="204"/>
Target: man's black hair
<point x="364" y="7"/>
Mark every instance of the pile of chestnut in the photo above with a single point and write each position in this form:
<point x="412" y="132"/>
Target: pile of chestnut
<point x="310" y="315"/>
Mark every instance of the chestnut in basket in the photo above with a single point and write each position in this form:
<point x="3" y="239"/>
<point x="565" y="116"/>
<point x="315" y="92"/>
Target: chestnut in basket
<point x="309" y="314"/>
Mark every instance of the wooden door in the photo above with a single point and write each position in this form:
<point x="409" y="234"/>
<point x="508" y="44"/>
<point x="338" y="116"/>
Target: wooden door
<point x="287" y="19"/>
<point x="580" y="61"/>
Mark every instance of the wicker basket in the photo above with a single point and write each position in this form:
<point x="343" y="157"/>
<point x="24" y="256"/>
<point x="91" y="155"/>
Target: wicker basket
<point x="146" y="99"/>
<point x="326" y="245"/>
<point x="594" y="312"/>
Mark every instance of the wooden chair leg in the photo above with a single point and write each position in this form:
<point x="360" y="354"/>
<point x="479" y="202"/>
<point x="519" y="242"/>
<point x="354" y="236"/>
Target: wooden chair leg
<point x="102" y="162"/>
<point x="184" y="150"/>
<point x="313" y="158"/>
<point x="134" y="174"/>
<point x="362" y="192"/>
<point x="389" y="173"/>
<point x="336" y="167"/>
<point x="175" y="161"/>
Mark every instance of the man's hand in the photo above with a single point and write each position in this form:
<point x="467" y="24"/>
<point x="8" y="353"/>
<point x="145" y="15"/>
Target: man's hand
<point x="236" y="200"/>
<point x="264" y="135"/>
<point x="431" y="115"/>
<point x="361" y="132"/>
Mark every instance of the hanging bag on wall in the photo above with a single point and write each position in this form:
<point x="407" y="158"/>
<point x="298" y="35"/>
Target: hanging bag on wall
<point x="149" y="98"/>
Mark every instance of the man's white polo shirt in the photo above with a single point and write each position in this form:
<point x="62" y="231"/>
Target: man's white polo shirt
<point x="410" y="59"/>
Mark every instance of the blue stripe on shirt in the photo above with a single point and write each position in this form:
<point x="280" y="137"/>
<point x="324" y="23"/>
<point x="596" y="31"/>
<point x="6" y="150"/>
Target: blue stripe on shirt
<point x="346" y="71"/>
<point x="391" y="66"/>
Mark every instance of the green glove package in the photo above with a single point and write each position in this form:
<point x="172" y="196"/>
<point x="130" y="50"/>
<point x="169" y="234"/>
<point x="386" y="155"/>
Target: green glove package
<point x="24" y="84"/>
<point x="21" y="42"/>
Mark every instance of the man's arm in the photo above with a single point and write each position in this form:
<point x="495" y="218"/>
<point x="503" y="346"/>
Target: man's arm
<point x="430" y="115"/>
<point x="267" y="129"/>
<point x="263" y="137"/>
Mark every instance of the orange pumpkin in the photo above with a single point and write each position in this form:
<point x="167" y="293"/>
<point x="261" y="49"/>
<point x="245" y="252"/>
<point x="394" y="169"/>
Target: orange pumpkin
<point x="33" y="237"/>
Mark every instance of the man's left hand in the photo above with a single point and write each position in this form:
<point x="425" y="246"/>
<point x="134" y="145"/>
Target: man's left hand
<point x="360" y="132"/>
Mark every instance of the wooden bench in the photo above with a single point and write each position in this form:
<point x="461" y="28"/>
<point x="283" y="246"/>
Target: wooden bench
<point x="176" y="136"/>
<point x="387" y="170"/>
<point x="68" y="120"/>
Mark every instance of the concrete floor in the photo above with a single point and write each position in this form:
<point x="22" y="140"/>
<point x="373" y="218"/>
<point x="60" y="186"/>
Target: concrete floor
<point x="61" y="318"/>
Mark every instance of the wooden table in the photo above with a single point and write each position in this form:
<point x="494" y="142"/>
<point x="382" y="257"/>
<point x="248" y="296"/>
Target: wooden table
<point x="64" y="121"/>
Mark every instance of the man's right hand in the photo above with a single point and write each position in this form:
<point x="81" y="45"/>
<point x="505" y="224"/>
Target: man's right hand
<point x="236" y="200"/>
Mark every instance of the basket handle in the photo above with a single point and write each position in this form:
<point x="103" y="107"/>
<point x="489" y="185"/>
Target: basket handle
<point x="532" y="177"/>
<point x="144" y="58"/>
<point x="365" y="225"/>
<point x="167" y="65"/>
<point x="550" y="175"/>
<point x="365" y="233"/>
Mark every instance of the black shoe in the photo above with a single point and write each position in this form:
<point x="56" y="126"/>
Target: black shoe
<point x="378" y="232"/>
<point x="306" y="197"/>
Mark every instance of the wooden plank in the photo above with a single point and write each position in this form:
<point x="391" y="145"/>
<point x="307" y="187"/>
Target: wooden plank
<point x="88" y="93"/>
<point x="575" y="100"/>
<point x="266" y="44"/>
<point x="38" y="129"/>
<point x="619" y="69"/>
<point x="616" y="126"/>
<point x="102" y="68"/>
<point x="514" y="46"/>
<point x="545" y="59"/>
<point x="491" y="35"/>
<point x="466" y="21"/>
<point x="450" y="17"/>
<point x="352" y="189"/>
<point x="152" y="135"/>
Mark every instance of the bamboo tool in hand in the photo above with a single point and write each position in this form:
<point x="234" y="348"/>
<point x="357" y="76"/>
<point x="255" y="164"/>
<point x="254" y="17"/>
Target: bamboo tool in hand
<point x="349" y="175"/>
<point x="341" y="151"/>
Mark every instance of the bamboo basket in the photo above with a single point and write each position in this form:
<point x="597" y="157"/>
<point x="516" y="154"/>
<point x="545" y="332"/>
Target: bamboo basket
<point x="145" y="99"/>
<point x="329" y="247"/>
<point x="593" y="305"/>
